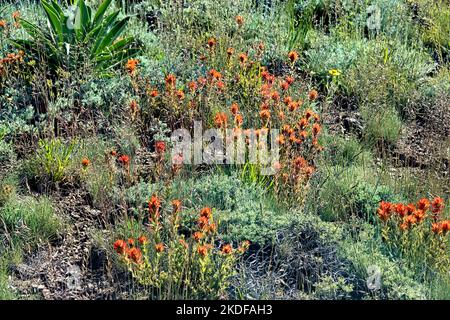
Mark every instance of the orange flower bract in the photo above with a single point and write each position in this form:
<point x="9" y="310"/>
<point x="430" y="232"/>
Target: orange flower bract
<point x="202" y="251"/>
<point x="243" y="58"/>
<point x="211" y="42"/>
<point x="176" y="205"/>
<point x="206" y="212"/>
<point x="312" y="95"/>
<point x="160" y="147"/>
<point x="239" y="20"/>
<point x="131" y="66"/>
<point x="220" y="119"/>
<point x="85" y="162"/>
<point x="135" y="255"/>
<point x="159" y="247"/>
<point x="293" y="56"/>
<point x="234" y="109"/>
<point x="197" y="236"/>
<point x="143" y="240"/>
<point x="170" y="81"/>
<point x="227" y="249"/>
<point x="120" y="246"/>
<point x="423" y="204"/>
<point x="124" y="159"/>
<point x="265" y="114"/>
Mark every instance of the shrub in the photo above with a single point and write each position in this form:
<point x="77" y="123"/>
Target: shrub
<point x="301" y="264"/>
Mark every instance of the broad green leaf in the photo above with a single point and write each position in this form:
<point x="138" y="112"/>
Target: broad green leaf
<point x="54" y="19"/>
<point x="113" y="34"/>
<point x="84" y="20"/>
<point x="101" y="11"/>
<point x="105" y="26"/>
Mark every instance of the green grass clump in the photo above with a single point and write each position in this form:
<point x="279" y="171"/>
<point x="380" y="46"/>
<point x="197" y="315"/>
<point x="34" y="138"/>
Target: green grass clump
<point x="342" y="193"/>
<point x="28" y="222"/>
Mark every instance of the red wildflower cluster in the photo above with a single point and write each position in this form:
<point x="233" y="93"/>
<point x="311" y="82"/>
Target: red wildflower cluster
<point x="160" y="147"/>
<point x="170" y="82"/>
<point x="211" y="42"/>
<point x="124" y="160"/>
<point x="154" y="206"/>
<point x="10" y="59"/>
<point x="85" y="162"/>
<point x="239" y="20"/>
<point x="293" y="56"/>
<point x="133" y="106"/>
<point x="409" y="215"/>
<point x="129" y="251"/>
<point x="226" y="249"/>
<point x="131" y="66"/>
<point x="220" y="120"/>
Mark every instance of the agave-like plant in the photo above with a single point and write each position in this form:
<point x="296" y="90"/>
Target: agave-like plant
<point x="79" y="29"/>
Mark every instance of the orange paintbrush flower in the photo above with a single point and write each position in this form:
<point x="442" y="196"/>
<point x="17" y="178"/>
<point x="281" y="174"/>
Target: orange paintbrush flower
<point x="120" y="246"/>
<point x="423" y="204"/>
<point x="170" y="81"/>
<point x="316" y="129"/>
<point x="176" y="205"/>
<point x="312" y="95"/>
<point x="124" y="159"/>
<point x="206" y="212"/>
<point x="143" y="240"/>
<point x="131" y="66"/>
<point x="220" y="120"/>
<point x="211" y="42"/>
<point x="159" y="247"/>
<point x="293" y="56"/>
<point x="160" y="146"/>
<point x="234" y="109"/>
<point x="227" y="249"/>
<point x="437" y="205"/>
<point x="265" y="114"/>
<point x="197" y="236"/>
<point x="239" y="20"/>
<point x="239" y="119"/>
<point x="243" y="58"/>
<point x="202" y="251"/>
<point x="135" y="255"/>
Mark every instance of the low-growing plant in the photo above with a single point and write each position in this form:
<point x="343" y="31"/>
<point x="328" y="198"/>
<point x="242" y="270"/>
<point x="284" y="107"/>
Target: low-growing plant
<point x="53" y="158"/>
<point x="417" y="232"/>
<point x="71" y="41"/>
<point x="343" y="193"/>
<point x="172" y="264"/>
<point x="391" y="278"/>
<point x="28" y="222"/>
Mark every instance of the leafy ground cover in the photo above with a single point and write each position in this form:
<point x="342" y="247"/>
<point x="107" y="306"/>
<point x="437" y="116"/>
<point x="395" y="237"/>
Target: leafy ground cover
<point x="96" y="202"/>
